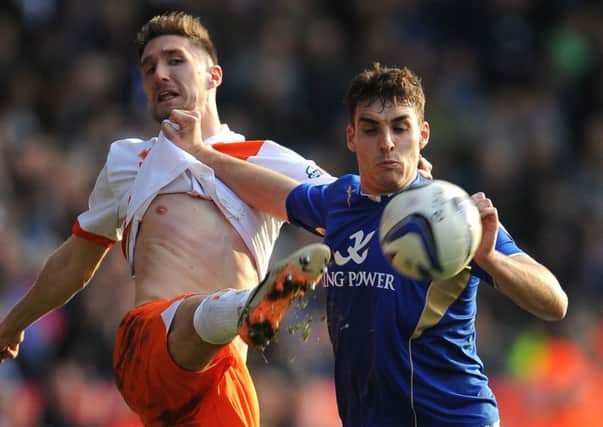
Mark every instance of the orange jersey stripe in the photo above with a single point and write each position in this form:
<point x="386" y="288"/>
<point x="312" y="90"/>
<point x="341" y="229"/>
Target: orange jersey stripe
<point x="241" y="150"/>
<point x="99" y="240"/>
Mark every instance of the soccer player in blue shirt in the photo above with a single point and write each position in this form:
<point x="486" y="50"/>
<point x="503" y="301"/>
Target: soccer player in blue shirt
<point x="405" y="350"/>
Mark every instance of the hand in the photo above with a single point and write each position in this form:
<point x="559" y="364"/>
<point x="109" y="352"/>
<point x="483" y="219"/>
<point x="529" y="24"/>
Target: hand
<point x="183" y="128"/>
<point x="425" y="167"/>
<point x="489" y="216"/>
<point x="9" y="345"/>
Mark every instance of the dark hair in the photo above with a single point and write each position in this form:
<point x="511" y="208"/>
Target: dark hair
<point x="400" y="86"/>
<point x="180" y="24"/>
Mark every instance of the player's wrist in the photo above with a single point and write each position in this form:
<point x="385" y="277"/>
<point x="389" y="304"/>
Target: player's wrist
<point x="210" y="156"/>
<point x="488" y="260"/>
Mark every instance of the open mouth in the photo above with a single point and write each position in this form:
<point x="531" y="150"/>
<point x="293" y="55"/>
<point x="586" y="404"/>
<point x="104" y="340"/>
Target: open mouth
<point x="166" y="95"/>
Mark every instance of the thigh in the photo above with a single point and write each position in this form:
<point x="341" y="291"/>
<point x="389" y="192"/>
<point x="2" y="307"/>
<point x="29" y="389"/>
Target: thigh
<point x="163" y="393"/>
<point x="185" y="346"/>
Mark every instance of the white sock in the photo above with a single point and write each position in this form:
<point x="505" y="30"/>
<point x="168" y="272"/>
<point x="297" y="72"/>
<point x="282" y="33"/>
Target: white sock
<point x="217" y="316"/>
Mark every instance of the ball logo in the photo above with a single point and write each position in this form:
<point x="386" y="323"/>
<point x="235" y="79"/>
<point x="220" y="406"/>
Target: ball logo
<point x="438" y="203"/>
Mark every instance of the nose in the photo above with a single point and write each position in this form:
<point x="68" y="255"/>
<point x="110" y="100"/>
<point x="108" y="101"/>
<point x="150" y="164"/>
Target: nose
<point x="386" y="142"/>
<point x="161" y="72"/>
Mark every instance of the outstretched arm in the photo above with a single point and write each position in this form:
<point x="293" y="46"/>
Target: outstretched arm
<point x="525" y="281"/>
<point x="261" y="188"/>
<point x="65" y="273"/>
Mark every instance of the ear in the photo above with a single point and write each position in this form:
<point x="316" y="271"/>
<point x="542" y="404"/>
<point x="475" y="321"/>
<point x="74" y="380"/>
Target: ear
<point x="215" y="76"/>
<point x="350" y="132"/>
<point x="424" y="135"/>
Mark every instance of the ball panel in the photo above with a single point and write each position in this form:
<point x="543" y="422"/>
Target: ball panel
<point x="411" y="227"/>
<point x="416" y="266"/>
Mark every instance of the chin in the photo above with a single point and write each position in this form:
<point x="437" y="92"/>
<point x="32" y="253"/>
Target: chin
<point x="388" y="187"/>
<point x="391" y="182"/>
<point x="162" y="114"/>
<point x="393" y="189"/>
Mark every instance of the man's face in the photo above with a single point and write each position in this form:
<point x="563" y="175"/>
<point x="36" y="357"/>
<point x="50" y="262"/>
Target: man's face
<point x="175" y="75"/>
<point x="387" y="141"/>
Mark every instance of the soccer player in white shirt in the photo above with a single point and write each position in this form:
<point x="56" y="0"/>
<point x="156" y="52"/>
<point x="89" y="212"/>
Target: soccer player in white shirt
<point x="185" y="236"/>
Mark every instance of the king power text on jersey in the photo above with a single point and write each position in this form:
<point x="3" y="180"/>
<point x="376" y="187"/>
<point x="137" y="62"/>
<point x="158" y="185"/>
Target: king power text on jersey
<point x="355" y="279"/>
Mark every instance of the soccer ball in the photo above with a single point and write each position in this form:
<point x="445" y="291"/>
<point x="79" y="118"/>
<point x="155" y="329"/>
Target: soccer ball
<point x="430" y="232"/>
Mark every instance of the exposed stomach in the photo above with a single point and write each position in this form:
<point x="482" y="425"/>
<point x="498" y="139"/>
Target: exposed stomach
<point x="186" y="245"/>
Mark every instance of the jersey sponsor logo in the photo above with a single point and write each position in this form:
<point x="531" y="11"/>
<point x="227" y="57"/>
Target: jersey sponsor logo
<point x="355" y="251"/>
<point x="313" y="172"/>
<point x="355" y="279"/>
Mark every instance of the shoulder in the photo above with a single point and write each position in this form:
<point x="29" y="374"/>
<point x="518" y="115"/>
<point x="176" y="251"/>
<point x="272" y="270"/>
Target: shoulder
<point x="282" y="159"/>
<point x="125" y="158"/>
<point x="128" y="152"/>
<point x="269" y="146"/>
<point x="256" y="148"/>
<point x="339" y="189"/>
<point x="346" y="181"/>
<point x="128" y="147"/>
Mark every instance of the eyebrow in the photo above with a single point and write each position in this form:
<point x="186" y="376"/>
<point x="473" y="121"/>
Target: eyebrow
<point x="371" y="121"/>
<point x="163" y="52"/>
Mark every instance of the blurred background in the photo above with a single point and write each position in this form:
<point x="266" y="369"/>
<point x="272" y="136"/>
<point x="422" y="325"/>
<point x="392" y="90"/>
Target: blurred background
<point x="515" y="101"/>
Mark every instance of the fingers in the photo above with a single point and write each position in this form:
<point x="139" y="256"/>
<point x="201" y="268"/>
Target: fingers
<point x="425" y="174"/>
<point x="183" y="128"/>
<point x="9" y="353"/>
<point x="484" y="205"/>
<point x="425" y="164"/>
<point x="425" y="167"/>
<point x="9" y="345"/>
<point x="171" y="124"/>
<point x="184" y="118"/>
<point x="180" y="120"/>
<point x="480" y="199"/>
<point x="170" y="129"/>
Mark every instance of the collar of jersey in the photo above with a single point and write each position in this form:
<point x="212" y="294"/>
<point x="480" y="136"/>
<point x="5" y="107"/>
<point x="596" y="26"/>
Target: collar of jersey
<point x="378" y="198"/>
<point x="224" y="135"/>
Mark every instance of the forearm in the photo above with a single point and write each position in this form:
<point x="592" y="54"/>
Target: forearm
<point x="528" y="284"/>
<point x="64" y="274"/>
<point x="261" y="188"/>
<point x="45" y="295"/>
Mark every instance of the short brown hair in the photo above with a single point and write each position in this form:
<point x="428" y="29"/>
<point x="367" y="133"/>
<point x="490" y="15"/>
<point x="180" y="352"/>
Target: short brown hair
<point x="400" y="86"/>
<point x="179" y="24"/>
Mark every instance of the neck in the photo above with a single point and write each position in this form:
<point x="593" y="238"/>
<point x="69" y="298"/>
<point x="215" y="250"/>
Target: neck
<point x="384" y="190"/>
<point x="210" y="126"/>
<point x="210" y="120"/>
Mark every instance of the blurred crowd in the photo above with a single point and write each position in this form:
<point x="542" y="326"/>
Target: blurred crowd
<point x="515" y="102"/>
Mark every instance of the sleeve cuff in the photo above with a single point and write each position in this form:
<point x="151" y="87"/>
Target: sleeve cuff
<point x="95" y="238"/>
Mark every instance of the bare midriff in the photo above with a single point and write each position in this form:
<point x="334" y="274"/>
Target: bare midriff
<point x="186" y="245"/>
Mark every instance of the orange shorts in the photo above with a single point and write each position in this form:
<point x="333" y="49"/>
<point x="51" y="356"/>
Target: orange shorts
<point x="162" y="393"/>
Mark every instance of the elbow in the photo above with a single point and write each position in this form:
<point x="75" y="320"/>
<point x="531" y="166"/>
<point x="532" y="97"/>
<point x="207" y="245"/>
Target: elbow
<point x="562" y="307"/>
<point x="558" y="310"/>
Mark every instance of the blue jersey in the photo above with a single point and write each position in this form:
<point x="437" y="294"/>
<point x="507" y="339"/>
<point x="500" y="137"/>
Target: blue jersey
<point x="405" y="352"/>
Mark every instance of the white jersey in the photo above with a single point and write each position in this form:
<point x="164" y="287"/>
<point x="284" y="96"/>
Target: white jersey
<point x="137" y="171"/>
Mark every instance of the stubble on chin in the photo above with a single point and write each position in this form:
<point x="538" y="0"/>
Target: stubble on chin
<point x="159" y="115"/>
